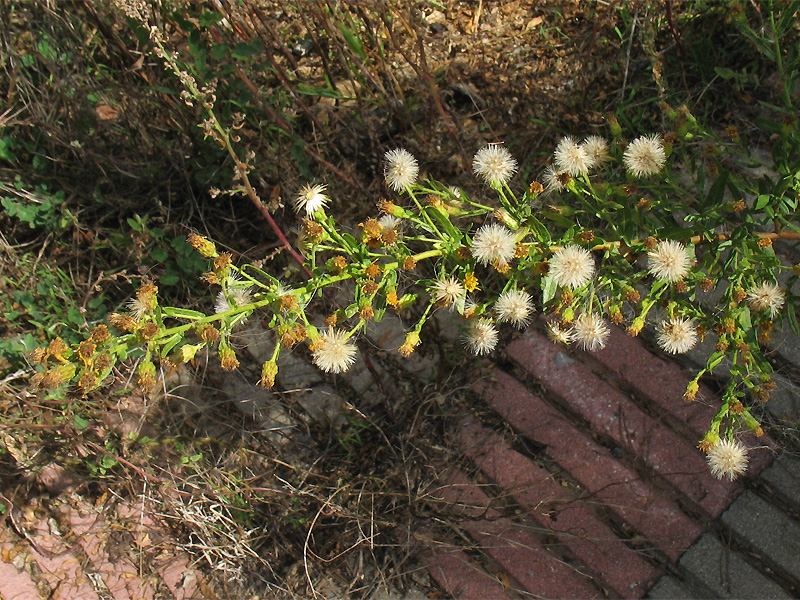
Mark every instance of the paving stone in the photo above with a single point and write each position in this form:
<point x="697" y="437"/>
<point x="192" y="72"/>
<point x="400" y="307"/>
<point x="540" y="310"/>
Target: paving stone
<point x="774" y="534"/>
<point x="60" y="568"/>
<point x="557" y="508"/>
<point x="383" y="593"/>
<point x="171" y="563"/>
<point x="517" y="550"/>
<point x="661" y="520"/>
<point x="726" y="572"/>
<point x="661" y="381"/>
<point x="16" y="582"/>
<point x="668" y="588"/>
<point x="784" y="401"/>
<point x="118" y="573"/>
<point x="784" y="477"/>
<point x="617" y="416"/>
<point x="461" y="577"/>
<point x="390" y="334"/>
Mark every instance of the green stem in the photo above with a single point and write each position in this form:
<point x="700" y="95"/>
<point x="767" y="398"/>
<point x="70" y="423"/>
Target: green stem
<point x="787" y="97"/>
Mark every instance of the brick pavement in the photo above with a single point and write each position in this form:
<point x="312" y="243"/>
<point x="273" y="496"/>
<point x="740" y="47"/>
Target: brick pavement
<point x="73" y="550"/>
<point x="585" y="482"/>
<point x="597" y="452"/>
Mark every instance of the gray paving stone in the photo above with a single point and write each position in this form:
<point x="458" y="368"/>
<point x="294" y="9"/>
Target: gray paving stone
<point x="784" y="401"/>
<point x="668" y="587"/>
<point x="726" y="572"/>
<point x="784" y="477"/>
<point x="773" y="533"/>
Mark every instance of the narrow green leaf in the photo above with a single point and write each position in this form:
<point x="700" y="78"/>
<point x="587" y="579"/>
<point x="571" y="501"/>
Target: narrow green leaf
<point x="182" y="313"/>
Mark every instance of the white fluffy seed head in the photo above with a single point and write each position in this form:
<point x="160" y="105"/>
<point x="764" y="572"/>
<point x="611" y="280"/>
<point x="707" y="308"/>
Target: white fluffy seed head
<point x="481" y="336"/>
<point x="558" y="334"/>
<point x="572" y="157"/>
<point x="590" y="332"/>
<point x="401" y="169"/>
<point x="449" y="292"/>
<point x="554" y="179"/>
<point x="766" y="296"/>
<point x="572" y="266"/>
<point x="515" y="307"/>
<point x="494" y="164"/>
<point x="311" y="198"/>
<point x="333" y="352"/>
<point x="678" y="335"/>
<point x="727" y="458"/>
<point x="670" y="261"/>
<point x="596" y="148"/>
<point x="493" y="244"/>
<point x="239" y="298"/>
<point x="645" y="156"/>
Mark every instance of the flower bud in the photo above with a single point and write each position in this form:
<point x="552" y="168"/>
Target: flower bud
<point x="227" y="358"/>
<point x="411" y="341"/>
<point x="613" y="124"/>
<point x="691" y="391"/>
<point x="268" y="372"/>
<point x="709" y="439"/>
<point x="636" y="327"/>
<point x="506" y="219"/>
<point x="187" y="352"/>
<point x="146" y="371"/>
<point x="203" y="245"/>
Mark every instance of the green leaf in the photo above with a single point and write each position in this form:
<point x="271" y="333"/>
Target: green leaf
<point x="244" y="50"/>
<point x="549" y="289"/>
<point x="182" y="313"/>
<point x="159" y="254"/>
<point x="325" y="92"/>
<point x="717" y="191"/>
<point x="79" y="422"/>
<point x="171" y="342"/>
<point x="352" y="41"/>
<point x="219" y="51"/>
<point x="725" y="73"/>
<point x="714" y="360"/>
<point x="540" y="231"/>
<point x="793" y="320"/>
<point x="761" y="202"/>
<point x="210" y="18"/>
<point x="169" y="278"/>
<point x="6" y="144"/>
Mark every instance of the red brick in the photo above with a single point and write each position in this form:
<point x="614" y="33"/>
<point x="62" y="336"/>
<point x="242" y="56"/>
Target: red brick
<point x="617" y="416"/>
<point x="118" y="572"/>
<point x="180" y="578"/>
<point x="663" y="522"/>
<point x="172" y="565"/>
<point x="15" y="583"/>
<point x="521" y="553"/>
<point x="556" y="508"/>
<point x="59" y="567"/>
<point x="461" y="578"/>
<point x="663" y="382"/>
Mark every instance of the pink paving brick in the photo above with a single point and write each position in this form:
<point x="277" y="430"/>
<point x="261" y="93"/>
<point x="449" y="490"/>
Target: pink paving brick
<point x="662" y="521"/>
<point x="663" y="382"/>
<point x="521" y="553"/>
<point x="15" y="583"/>
<point x="617" y="416"/>
<point x="180" y="578"/>
<point x="60" y="568"/>
<point x="461" y="578"/>
<point x="556" y="508"/>
<point x="174" y="567"/>
<point x="116" y="570"/>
